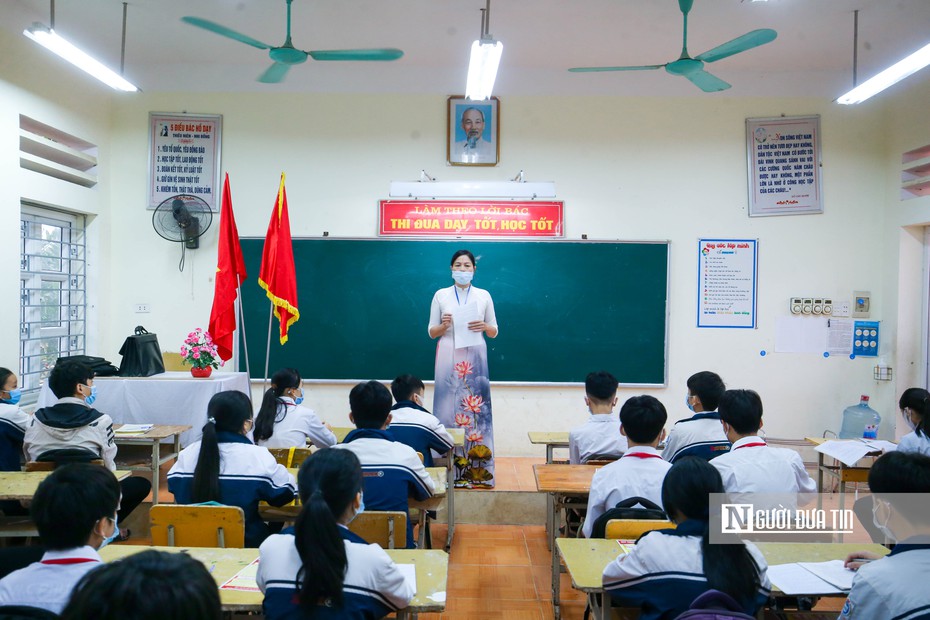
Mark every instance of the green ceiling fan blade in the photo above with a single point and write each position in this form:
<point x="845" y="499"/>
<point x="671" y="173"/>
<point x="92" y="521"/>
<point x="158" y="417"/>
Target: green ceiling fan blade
<point x="378" y="54"/>
<point x="739" y="44"/>
<point x="274" y="74"/>
<point x="597" y="69"/>
<point x="225" y="32"/>
<point x="705" y="81"/>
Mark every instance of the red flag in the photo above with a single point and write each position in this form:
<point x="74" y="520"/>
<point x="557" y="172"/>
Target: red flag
<point x="230" y="271"/>
<point x="278" y="276"/>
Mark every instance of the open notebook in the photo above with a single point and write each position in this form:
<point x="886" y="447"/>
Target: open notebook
<point x="812" y="577"/>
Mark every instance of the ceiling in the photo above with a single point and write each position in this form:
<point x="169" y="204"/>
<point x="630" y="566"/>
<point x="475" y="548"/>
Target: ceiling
<point x="812" y="55"/>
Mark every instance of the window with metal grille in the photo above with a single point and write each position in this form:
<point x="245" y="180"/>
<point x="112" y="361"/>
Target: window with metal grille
<point x="53" y="299"/>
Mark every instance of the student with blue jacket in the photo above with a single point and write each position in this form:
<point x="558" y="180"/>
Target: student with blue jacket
<point x="393" y="471"/>
<point x="412" y="424"/>
<point x="225" y="467"/>
<point x="319" y="569"/>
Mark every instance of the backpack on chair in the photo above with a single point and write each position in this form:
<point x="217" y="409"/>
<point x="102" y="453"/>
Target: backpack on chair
<point x="714" y="605"/>
<point x="630" y="508"/>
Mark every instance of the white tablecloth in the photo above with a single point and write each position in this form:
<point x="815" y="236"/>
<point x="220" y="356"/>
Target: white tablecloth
<point x="168" y="398"/>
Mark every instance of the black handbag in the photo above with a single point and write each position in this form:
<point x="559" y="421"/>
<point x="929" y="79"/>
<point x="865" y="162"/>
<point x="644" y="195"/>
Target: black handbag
<point x="630" y="508"/>
<point x="141" y="355"/>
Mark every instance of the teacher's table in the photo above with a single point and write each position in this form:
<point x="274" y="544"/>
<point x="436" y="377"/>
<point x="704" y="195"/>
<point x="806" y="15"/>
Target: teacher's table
<point x="170" y="398"/>
<point x="585" y="559"/>
<point x="224" y="564"/>
<point x="561" y="482"/>
<point x="152" y="439"/>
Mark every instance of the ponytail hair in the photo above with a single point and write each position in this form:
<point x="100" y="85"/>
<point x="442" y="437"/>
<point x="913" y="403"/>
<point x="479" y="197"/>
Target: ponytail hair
<point x="917" y="400"/>
<point x="686" y="493"/>
<point x="227" y="412"/>
<point x="328" y="483"/>
<point x="267" y="416"/>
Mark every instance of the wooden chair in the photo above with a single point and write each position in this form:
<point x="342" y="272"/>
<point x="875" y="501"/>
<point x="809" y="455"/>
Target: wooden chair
<point x="385" y="528"/>
<point x="172" y="361"/>
<point x="290" y="457"/>
<point x="632" y="529"/>
<point x="173" y="525"/>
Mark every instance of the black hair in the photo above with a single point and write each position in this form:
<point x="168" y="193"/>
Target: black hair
<point x="600" y="386"/>
<point x="146" y="586"/>
<point x="229" y="411"/>
<point x="903" y="473"/>
<point x="68" y="504"/>
<point x="5" y="373"/>
<point x="370" y="403"/>
<point x="742" y="410"/>
<point x="686" y="493"/>
<point x="915" y="399"/>
<point x="267" y="417"/>
<point x="67" y="375"/>
<point x="464" y="253"/>
<point x="708" y="387"/>
<point x="643" y="418"/>
<point x="405" y="386"/>
<point x="328" y="483"/>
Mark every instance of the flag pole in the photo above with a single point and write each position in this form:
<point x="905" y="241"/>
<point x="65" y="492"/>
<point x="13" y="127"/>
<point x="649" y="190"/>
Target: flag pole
<point x="245" y="341"/>
<point x="268" y="347"/>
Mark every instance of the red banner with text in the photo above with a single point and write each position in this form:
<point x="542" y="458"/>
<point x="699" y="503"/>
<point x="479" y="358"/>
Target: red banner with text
<point x="473" y="218"/>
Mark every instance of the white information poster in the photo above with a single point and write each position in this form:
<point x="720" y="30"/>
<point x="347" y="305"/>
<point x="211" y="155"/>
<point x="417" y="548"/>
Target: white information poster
<point x="784" y="165"/>
<point x="184" y="157"/>
<point x="727" y="283"/>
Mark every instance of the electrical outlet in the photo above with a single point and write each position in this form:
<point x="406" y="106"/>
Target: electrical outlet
<point x="142" y="308"/>
<point x="841" y="308"/>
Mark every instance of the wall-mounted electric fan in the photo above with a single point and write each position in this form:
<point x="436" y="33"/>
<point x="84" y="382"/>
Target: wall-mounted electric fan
<point x="182" y="219"/>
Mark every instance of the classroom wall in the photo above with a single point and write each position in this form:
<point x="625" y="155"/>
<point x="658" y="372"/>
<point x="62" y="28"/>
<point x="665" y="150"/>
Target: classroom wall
<point x="627" y="168"/>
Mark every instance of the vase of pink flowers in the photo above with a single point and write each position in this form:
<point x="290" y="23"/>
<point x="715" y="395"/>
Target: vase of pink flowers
<point x="199" y="351"/>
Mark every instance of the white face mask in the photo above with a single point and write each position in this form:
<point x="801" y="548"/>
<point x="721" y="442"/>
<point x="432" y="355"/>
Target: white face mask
<point x="463" y="277"/>
<point x="883" y="526"/>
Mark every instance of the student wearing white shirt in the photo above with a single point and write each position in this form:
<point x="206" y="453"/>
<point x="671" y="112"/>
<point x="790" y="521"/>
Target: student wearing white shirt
<point x="701" y="434"/>
<point x="13" y="421"/>
<point x="318" y="568"/>
<point x="74" y="509"/>
<point x="283" y="421"/>
<point x="412" y="424"/>
<point x="599" y="436"/>
<point x="915" y="407"/>
<point x="895" y="586"/>
<point x="751" y="465"/>
<point x="641" y="470"/>
<point x="667" y="569"/>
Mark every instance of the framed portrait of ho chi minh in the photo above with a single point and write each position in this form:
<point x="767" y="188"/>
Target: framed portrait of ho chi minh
<point x="473" y="132"/>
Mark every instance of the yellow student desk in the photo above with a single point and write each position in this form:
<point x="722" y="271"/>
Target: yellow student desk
<point x="223" y="564"/>
<point x="585" y="559"/>
<point x="22" y="485"/>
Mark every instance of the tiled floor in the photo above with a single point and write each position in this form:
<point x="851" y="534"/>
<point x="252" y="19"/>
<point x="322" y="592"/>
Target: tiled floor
<point x="502" y="571"/>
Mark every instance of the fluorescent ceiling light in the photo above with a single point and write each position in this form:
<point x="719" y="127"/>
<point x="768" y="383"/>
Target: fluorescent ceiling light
<point x="482" y="68"/>
<point x="893" y="74"/>
<point x="48" y="38"/>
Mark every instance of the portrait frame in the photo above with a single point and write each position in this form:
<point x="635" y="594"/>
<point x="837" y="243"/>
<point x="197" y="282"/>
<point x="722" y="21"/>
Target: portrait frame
<point x="488" y="150"/>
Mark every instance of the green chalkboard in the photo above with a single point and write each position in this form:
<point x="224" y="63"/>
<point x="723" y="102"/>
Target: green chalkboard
<point x="564" y="308"/>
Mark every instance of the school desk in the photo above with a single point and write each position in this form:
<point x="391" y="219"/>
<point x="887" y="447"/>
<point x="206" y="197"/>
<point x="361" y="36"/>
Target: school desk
<point x="153" y="439"/>
<point x="842" y="472"/>
<point x="22" y="485"/>
<point x="550" y="440"/>
<point x="585" y="559"/>
<point x="167" y="398"/>
<point x="223" y="564"/>
<point x="458" y="439"/>
<point x="561" y="482"/>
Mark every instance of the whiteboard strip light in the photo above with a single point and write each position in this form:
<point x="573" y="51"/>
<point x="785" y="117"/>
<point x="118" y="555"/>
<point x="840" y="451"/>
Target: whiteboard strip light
<point x="471" y="189"/>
